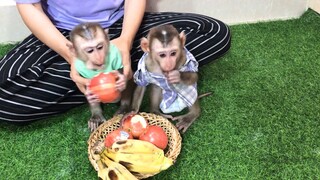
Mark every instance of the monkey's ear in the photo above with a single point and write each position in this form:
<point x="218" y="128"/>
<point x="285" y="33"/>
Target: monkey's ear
<point x="182" y="37"/>
<point x="71" y="48"/>
<point x="144" y="43"/>
<point x="106" y="31"/>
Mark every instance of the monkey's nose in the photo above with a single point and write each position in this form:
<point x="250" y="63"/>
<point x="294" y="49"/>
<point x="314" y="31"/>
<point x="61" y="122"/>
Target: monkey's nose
<point x="99" y="61"/>
<point x="168" y="67"/>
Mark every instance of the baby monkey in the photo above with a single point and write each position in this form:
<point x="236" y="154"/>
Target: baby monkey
<point x="95" y="54"/>
<point x="171" y="72"/>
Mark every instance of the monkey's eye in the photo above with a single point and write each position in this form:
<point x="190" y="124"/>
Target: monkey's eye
<point x="99" y="47"/>
<point x="162" y="55"/>
<point x="173" y="53"/>
<point x="89" y="51"/>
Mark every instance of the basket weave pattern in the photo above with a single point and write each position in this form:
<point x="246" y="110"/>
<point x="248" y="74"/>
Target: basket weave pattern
<point x="174" y="139"/>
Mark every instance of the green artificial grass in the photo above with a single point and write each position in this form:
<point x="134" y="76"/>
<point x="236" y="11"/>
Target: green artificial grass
<point x="261" y="122"/>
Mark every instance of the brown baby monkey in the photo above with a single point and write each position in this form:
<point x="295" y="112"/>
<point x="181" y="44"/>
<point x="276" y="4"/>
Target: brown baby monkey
<point x="171" y="72"/>
<point x="95" y="54"/>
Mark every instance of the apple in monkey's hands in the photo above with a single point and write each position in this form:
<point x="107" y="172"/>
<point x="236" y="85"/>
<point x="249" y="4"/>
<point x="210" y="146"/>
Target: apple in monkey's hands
<point x="103" y="85"/>
<point x="135" y="124"/>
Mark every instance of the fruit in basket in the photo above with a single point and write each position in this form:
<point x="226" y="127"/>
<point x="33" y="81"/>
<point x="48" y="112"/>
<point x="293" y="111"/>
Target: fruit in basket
<point x="117" y="135"/>
<point x="114" y="170"/>
<point x="135" y="124"/>
<point x="136" y="159"/>
<point x="130" y="146"/>
<point x="103" y="85"/>
<point x="155" y="135"/>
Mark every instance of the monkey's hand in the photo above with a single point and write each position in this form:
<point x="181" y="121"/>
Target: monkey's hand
<point x="96" y="118"/>
<point x="173" y="76"/>
<point x="184" y="121"/>
<point x="95" y="121"/>
<point x="125" y="116"/>
<point x="121" y="82"/>
<point x="92" y="98"/>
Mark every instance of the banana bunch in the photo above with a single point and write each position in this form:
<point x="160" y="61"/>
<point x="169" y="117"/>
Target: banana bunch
<point x="110" y="170"/>
<point x="139" y="157"/>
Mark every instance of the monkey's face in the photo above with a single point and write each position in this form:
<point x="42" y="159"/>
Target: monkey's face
<point x="93" y="52"/>
<point x="166" y="55"/>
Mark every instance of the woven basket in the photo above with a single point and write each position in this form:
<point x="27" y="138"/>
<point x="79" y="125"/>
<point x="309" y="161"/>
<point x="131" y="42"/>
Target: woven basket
<point x="174" y="139"/>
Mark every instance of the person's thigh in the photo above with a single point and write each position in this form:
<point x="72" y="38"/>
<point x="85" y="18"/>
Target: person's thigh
<point x="35" y="83"/>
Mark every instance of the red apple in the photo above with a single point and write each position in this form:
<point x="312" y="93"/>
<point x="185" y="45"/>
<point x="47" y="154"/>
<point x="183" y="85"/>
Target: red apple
<point x="156" y="135"/>
<point x="135" y="124"/>
<point x="103" y="85"/>
<point x="117" y="135"/>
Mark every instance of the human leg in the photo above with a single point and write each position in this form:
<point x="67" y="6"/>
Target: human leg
<point x="35" y="83"/>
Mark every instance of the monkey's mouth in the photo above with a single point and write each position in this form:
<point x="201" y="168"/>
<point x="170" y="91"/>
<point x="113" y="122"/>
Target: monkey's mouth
<point x="99" y="67"/>
<point x="96" y="67"/>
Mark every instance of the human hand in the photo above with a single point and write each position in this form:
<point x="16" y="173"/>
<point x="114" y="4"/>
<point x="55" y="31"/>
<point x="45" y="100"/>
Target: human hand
<point x="124" y="47"/>
<point x="79" y="80"/>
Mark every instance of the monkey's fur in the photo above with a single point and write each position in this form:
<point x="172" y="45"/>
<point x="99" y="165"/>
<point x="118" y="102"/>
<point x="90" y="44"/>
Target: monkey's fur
<point x="165" y="56"/>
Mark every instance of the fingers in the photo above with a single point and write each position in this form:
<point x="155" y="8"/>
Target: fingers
<point x="125" y="116"/>
<point x="181" y="126"/>
<point x="81" y="87"/>
<point x="173" y="76"/>
<point x="80" y="81"/>
<point x="93" y="125"/>
<point x="121" y="82"/>
<point x="91" y="97"/>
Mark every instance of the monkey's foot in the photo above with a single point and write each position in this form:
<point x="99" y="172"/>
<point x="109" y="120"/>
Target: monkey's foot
<point x="95" y="121"/>
<point x="168" y="116"/>
<point x="184" y="122"/>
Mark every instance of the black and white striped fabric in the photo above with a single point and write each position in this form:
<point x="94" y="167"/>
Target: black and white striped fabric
<point x="35" y="82"/>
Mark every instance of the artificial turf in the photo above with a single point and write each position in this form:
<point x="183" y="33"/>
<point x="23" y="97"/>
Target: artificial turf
<point x="261" y="122"/>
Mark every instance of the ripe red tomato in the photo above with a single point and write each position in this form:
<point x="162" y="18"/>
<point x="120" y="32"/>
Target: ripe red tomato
<point x="103" y="85"/>
<point x="117" y="135"/>
<point x="156" y="135"/>
<point x="135" y="124"/>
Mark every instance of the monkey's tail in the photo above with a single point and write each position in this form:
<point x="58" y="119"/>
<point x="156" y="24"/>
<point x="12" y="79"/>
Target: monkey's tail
<point x="204" y="95"/>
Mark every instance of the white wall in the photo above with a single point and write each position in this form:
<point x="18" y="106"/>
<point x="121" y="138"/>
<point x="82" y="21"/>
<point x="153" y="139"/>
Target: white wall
<point x="12" y="28"/>
<point x="315" y="5"/>
<point x="235" y="11"/>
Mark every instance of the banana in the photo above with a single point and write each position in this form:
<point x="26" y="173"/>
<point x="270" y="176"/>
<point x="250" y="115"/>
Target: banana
<point x="148" y="168"/>
<point x="103" y="171"/>
<point x="141" y="163"/>
<point x="135" y="157"/>
<point x="115" y="170"/>
<point x="135" y="146"/>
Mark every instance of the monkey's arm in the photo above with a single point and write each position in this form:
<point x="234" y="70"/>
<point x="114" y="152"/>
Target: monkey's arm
<point x="137" y="98"/>
<point x="189" y="77"/>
